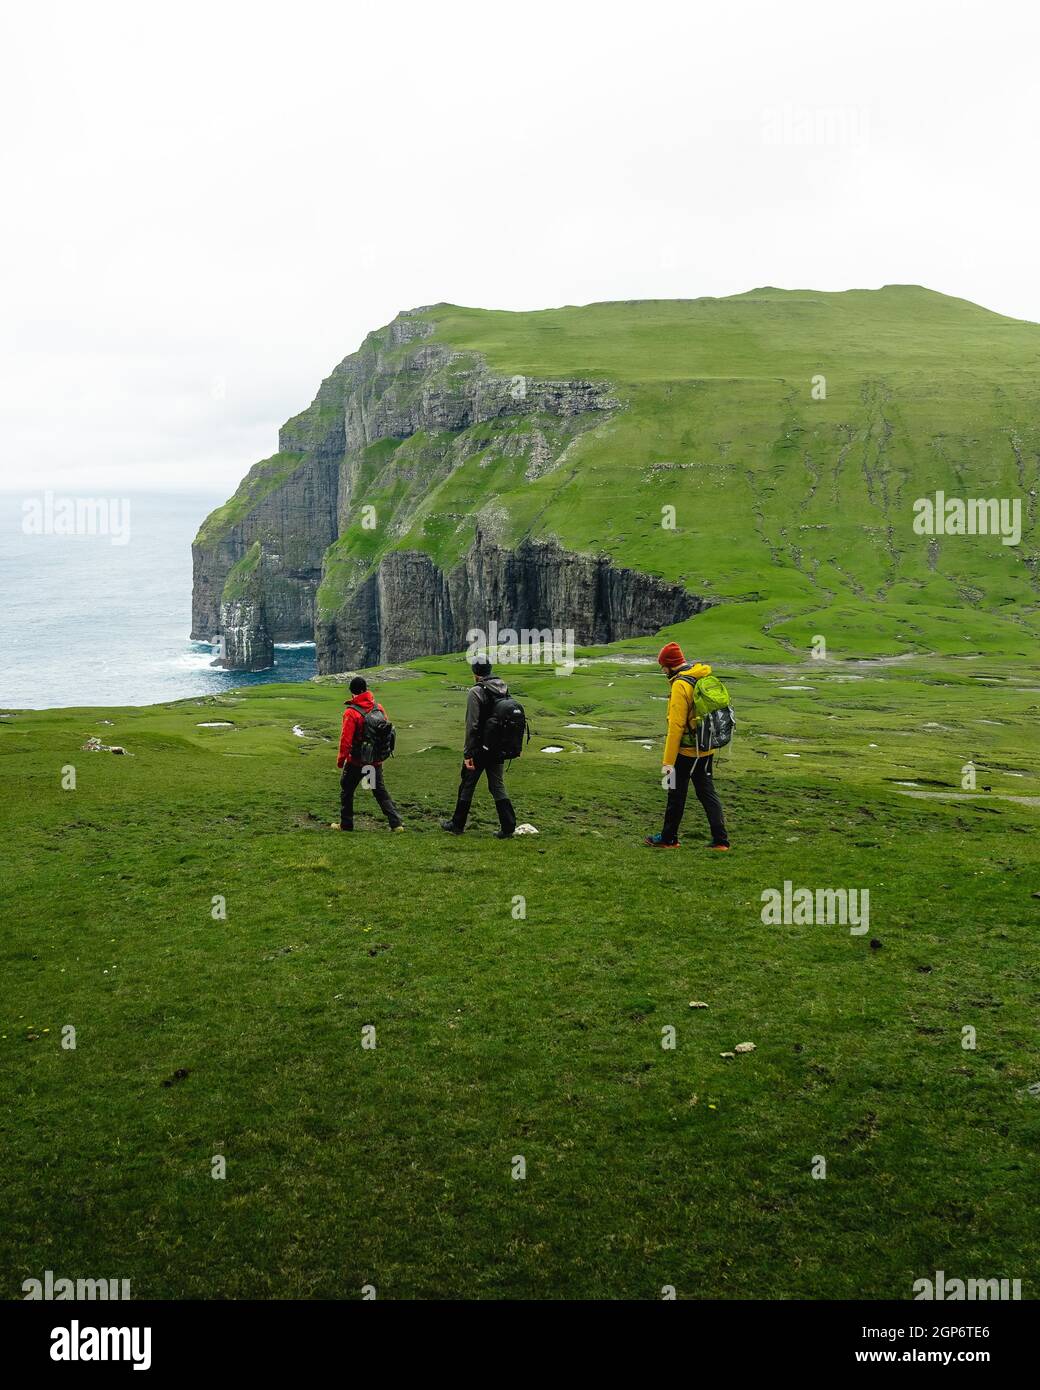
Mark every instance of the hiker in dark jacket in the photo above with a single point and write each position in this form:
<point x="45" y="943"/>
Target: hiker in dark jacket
<point x="476" y="758"/>
<point x="353" y="765"/>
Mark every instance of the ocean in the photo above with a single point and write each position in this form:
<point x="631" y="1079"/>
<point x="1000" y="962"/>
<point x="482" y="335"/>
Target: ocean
<point x="85" y="621"/>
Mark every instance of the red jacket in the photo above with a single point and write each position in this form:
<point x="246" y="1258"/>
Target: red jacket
<point x="352" y="721"/>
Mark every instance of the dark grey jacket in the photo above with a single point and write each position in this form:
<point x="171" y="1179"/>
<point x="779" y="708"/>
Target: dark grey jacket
<point x="478" y="706"/>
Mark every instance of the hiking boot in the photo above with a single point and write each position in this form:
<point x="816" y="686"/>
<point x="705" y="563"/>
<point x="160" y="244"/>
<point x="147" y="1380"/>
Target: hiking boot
<point x="712" y="846"/>
<point x="655" y="842"/>
<point x="456" y="825"/>
<point x="396" y="828"/>
<point x="506" y="820"/>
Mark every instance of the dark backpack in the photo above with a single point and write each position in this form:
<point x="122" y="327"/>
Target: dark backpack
<point x="715" y="720"/>
<point x="716" y="728"/>
<point x="375" y="737"/>
<point x="503" y="734"/>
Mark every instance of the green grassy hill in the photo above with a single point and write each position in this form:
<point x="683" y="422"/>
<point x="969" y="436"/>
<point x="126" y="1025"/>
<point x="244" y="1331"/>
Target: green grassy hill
<point x="793" y="501"/>
<point x="800" y="509"/>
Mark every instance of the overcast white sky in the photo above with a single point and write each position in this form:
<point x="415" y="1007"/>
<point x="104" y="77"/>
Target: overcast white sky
<point x="207" y="205"/>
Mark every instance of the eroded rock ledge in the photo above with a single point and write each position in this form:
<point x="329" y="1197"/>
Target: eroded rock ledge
<point x="409" y="608"/>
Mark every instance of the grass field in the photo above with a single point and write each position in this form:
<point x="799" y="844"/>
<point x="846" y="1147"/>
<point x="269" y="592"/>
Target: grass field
<point x="499" y="1036"/>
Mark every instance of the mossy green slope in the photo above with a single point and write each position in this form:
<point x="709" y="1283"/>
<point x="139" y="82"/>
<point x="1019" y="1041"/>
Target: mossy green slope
<point x="261" y="480"/>
<point x="798" y="508"/>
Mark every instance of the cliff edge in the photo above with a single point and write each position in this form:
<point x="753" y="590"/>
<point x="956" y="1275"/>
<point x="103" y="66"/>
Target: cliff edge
<point x="376" y="528"/>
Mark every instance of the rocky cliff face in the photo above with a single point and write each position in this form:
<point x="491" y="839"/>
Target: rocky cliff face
<point x="247" y="644"/>
<point x="294" y="524"/>
<point x="410" y="608"/>
<point x="289" y="557"/>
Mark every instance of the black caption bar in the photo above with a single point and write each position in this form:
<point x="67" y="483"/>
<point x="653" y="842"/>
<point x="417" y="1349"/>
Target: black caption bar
<point x="157" y="1340"/>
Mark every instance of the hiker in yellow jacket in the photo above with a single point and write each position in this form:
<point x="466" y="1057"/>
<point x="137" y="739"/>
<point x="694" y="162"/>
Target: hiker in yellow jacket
<point x="684" y="761"/>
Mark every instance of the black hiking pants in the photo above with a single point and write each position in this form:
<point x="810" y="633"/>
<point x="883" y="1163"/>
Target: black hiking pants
<point x="699" y="771"/>
<point x="496" y="786"/>
<point x="348" y="785"/>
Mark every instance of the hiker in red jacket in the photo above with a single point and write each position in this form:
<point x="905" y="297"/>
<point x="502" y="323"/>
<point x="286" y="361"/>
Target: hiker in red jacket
<point x="361" y="760"/>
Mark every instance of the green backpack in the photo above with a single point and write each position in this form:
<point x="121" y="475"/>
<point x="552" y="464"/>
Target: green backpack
<point x="709" y="694"/>
<point x="715" y="718"/>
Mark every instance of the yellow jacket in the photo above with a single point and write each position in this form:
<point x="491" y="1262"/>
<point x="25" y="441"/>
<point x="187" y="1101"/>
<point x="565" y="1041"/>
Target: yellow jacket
<point x="682" y="719"/>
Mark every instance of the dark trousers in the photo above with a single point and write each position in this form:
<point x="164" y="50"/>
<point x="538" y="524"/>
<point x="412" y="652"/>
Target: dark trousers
<point x="348" y="785"/>
<point x="497" y="788"/>
<point x="699" y="771"/>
